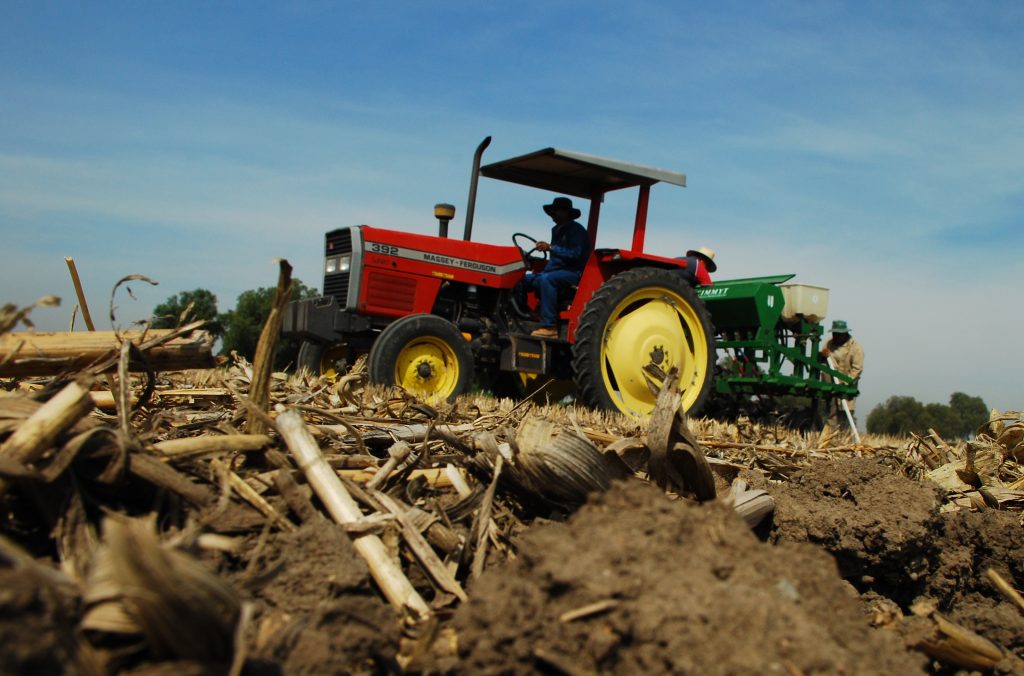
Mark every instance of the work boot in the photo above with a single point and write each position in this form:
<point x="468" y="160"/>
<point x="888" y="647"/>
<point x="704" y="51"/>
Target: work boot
<point x="545" y="332"/>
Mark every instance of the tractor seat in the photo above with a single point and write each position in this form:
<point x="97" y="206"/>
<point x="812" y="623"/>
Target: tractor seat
<point x="566" y="294"/>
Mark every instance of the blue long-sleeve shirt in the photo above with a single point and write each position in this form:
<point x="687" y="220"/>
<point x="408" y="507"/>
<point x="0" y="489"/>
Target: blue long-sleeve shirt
<point x="570" y="247"/>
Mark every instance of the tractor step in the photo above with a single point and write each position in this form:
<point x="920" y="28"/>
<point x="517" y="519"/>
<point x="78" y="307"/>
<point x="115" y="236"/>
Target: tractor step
<point x="529" y="354"/>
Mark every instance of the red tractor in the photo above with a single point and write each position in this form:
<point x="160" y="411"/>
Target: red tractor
<point x="435" y="314"/>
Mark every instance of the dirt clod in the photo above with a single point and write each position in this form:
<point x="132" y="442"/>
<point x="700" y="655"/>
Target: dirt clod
<point x="690" y="590"/>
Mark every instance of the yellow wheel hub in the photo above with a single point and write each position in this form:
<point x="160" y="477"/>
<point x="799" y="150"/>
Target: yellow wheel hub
<point x="652" y="327"/>
<point x="330" y="358"/>
<point x="427" y="366"/>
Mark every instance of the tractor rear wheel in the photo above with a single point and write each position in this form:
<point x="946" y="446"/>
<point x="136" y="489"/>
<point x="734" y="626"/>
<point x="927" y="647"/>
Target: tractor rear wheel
<point x="424" y="354"/>
<point x="637" y="326"/>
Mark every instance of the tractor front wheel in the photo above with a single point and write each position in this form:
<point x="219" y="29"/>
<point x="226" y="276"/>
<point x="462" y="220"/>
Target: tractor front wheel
<point x="424" y="354"/>
<point x="636" y="327"/>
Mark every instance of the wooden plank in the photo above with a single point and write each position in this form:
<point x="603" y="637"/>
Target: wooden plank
<point x="42" y="354"/>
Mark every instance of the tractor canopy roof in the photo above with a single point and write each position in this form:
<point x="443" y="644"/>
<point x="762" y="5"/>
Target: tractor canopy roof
<point x="577" y="174"/>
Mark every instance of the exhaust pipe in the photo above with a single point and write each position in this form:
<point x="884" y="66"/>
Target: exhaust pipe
<point x="470" y="208"/>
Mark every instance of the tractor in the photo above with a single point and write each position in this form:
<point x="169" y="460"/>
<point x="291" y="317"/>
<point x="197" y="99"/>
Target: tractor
<point x="435" y="314"/>
<point x="436" y="317"/>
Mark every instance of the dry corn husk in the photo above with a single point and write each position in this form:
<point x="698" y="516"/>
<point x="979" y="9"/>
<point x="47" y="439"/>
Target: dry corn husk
<point x="178" y="606"/>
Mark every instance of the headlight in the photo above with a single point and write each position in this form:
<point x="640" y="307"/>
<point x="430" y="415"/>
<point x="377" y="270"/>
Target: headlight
<point x="331" y="266"/>
<point x="344" y="263"/>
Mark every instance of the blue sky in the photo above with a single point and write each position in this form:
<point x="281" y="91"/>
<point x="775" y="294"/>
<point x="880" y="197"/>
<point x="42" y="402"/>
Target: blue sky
<point x="876" y="149"/>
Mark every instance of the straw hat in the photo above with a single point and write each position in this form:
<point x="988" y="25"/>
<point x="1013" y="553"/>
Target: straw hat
<point x="707" y="254"/>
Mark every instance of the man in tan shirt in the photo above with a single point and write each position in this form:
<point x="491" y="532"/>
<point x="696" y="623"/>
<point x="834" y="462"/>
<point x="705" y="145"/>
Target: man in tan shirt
<point x="848" y="357"/>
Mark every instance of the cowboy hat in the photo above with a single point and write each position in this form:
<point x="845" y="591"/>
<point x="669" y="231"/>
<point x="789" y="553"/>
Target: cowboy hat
<point x="707" y="254"/>
<point x="562" y="203"/>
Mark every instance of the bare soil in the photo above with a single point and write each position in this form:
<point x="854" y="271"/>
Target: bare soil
<point x="690" y="589"/>
<point x="633" y="582"/>
<point x="316" y="610"/>
<point x="37" y="625"/>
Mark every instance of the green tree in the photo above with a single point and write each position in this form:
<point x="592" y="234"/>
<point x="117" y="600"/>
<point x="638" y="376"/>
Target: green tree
<point x="242" y="326"/>
<point x="897" y="415"/>
<point x="971" y="412"/>
<point x="169" y="314"/>
<point x="942" y="419"/>
<point x="902" y="415"/>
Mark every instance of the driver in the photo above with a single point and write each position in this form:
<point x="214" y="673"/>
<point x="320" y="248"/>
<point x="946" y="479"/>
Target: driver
<point x="568" y="251"/>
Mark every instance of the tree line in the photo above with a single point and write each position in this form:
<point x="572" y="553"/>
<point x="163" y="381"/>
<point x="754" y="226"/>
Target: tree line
<point x="238" y="329"/>
<point x="900" y="415"/>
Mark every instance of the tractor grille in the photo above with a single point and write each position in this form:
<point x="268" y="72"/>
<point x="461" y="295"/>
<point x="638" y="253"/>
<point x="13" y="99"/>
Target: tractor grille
<point x="336" y="285"/>
<point x="391" y="291"/>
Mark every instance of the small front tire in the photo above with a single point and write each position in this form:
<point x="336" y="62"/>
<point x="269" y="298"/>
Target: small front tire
<point x="424" y="354"/>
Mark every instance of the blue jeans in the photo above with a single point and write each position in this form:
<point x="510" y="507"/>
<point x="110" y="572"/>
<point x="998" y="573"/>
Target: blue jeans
<point x="546" y="285"/>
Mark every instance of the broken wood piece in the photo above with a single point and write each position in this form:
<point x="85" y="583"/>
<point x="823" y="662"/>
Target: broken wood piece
<point x="46" y="354"/>
<point x="104" y="399"/>
<point x="385" y="570"/>
<point x="211" y="443"/>
<point x="79" y="293"/>
<point x="458" y="480"/>
<point x="437" y="532"/>
<point x="397" y="454"/>
<point x="375" y="524"/>
<point x="245" y="492"/>
<point x="351" y="461"/>
<point x="40" y="431"/>
<point x="387" y="434"/>
<point x="436" y="477"/>
<point x="588" y="610"/>
<point x="482" y="523"/>
<point x="266" y="350"/>
<point x="956" y="645"/>
<point x="753" y="505"/>
<point x="421" y="549"/>
<point x="677" y="459"/>
<point x="159" y="473"/>
<point x="1005" y="588"/>
<point x="194" y="393"/>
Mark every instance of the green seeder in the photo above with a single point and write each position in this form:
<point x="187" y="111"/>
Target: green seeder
<point x="768" y="338"/>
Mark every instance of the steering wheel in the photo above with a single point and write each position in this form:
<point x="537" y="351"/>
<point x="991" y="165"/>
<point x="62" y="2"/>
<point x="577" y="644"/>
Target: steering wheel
<point x="528" y="259"/>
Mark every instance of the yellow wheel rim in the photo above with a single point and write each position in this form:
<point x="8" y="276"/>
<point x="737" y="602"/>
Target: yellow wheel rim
<point x="330" y="358"/>
<point x="427" y="366"/>
<point x="652" y="326"/>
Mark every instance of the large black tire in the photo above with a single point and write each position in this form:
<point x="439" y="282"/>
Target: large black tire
<point x="640" y="317"/>
<point x="425" y="354"/>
